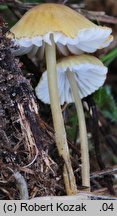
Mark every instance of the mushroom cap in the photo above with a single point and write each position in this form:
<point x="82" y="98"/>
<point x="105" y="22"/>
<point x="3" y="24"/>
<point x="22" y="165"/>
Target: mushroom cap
<point x="89" y="72"/>
<point x="69" y="28"/>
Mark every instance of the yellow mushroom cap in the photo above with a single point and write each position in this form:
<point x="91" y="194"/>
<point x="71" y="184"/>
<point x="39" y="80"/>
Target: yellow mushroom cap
<point x="90" y="74"/>
<point x="50" y="17"/>
<point x="68" y="27"/>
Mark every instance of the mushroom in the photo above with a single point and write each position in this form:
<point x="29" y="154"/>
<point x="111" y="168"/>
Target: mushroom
<point x="41" y="28"/>
<point x="77" y="77"/>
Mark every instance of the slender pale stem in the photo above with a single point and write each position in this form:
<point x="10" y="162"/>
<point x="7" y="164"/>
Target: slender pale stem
<point x="60" y="133"/>
<point x="82" y="130"/>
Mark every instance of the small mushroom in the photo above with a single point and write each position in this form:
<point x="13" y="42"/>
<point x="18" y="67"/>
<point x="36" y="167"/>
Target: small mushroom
<point x="41" y="28"/>
<point x="77" y="77"/>
<point x="71" y="31"/>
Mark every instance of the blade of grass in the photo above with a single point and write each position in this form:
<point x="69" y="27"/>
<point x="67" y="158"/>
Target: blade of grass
<point x="110" y="56"/>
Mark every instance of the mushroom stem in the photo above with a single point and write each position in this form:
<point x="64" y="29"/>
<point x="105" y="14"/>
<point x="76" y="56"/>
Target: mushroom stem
<point x="85" y="171"/>
<point x="60" y="133"/>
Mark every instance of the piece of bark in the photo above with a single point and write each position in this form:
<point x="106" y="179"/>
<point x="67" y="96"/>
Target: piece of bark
<point x="24" y="136"/>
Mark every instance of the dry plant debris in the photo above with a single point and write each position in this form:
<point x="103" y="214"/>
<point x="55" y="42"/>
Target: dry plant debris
<point x="24" y="137"/>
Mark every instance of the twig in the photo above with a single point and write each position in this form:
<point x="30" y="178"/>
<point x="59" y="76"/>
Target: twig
<point x="98" y="16"/>
<point x="6" y="192"/>
<point x="21" y="183"/>
<point x="18" y="4"/>
<point x="103" y="172"/>
<point x="103" y="18"/>
<point x="92" y="15"/>
<point x="35" y="158"/>
<point x="104" y="191"/>
<point x="95" y="131"/>
<point x="79" y="196"/>
<point x="22" y="186"/>
<point x="97" y="197"/>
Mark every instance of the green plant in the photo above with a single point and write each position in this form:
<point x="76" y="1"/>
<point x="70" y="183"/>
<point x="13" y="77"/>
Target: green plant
<point x="106" y="102"/>
<point x="109" y="57"/>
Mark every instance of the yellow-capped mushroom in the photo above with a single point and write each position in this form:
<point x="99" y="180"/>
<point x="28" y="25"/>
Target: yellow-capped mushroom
<point x="40" y="29"/>
<point x="77" y="77"/>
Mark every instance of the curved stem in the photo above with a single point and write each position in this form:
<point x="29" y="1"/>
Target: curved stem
<point x="95" y="132"/>
<point x="60" y="133"/>
<point x="82" y="128"/>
